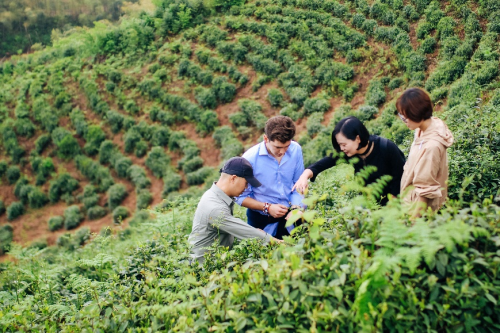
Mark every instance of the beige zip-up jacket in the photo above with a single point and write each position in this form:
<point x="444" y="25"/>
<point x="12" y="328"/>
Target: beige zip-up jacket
<point x="426" y="170"/>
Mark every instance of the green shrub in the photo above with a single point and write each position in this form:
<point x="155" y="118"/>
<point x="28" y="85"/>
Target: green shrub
<point x="67" y="145"/>
<point x="314" y="123"/>
<point x="6" y="237"/>
<point x="37" y="199"/>
<point x="192" y="164"/>
<point x="160" y="136"/>
<point x="487" y="72"/>
<point x="144" y="198"/>
<point x="72" y="217"/>
<point x="15" y="210"/>
<point x="298" y="95"/>
<point x="55" y="223"/>
<point x="131" y="138"/>
<point x="275" y="97"/>
<point x="79" y="122"/>
<point x="138" y="177"/>
<point x="13" y="173"/>
<point x="199" y="176"/>
<point x="116" y="194"/>
<point x="3" y="168"/>
<point x="290" y="110"/>
<point x="238" y="119"/>
<point x="166" y="118"/>
<point x="23" y="189"/>
<point x="316" y="104"/>
<point x="141" y="148"/>
<point x="208" y="121"/>
<point x="106" y="150"/>
<point x="414" y="62"/>
<point x="120" y="213"/>
<point x="395" y="83"/>
<point x="131" y="107"/>
<point x="223" y="90"/>
<point x="366" y="112"/>
<point x="90" y="201"/>
<point x="175" y="139"/>
<point x="81" y="236"/>
<point x="445" y="27"/>
<point x="24" y="127"/>
<point x="96" y="212"/>
<point x="139" y="217"/>
<point x="157" y="161"/>
<point x="171" y="182"/>
<point x="428" y="45"/>
<point x="205" y="78"/>
<point x="2" y="207"/>
<point x="375" y="94"/>
<point x="115" y="120"/>
<point x="206" y="97"/>
<point x="62" y="185"/>
<point x="94" y="137"/>
<point x="369" y="27"/>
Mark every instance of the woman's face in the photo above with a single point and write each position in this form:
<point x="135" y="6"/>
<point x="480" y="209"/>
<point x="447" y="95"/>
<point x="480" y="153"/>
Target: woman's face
<point x="412" y="125"/>
<point x="349" y="147"/>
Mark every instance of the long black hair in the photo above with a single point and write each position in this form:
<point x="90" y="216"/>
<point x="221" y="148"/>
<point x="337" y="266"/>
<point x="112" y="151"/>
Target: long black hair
<point x="350" y="127"/>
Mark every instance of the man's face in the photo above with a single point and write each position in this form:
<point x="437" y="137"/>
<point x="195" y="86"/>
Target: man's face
<point x="276" y="148"/>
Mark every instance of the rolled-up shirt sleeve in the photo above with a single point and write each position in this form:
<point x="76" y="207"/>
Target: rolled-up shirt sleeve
<point x="426" y="174"/>
<point x="235" y="226"/>
<point x="246" y="193"/>
<point x="296" y="198"/>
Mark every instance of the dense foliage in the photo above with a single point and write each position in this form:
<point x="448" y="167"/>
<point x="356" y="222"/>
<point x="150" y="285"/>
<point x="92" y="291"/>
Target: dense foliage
<point x="107" y="118"/>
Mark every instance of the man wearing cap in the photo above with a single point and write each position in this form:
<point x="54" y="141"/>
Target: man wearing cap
<point x="214" y="218"/>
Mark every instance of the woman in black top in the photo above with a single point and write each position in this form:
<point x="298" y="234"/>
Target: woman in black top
<point x="352" y="138"/>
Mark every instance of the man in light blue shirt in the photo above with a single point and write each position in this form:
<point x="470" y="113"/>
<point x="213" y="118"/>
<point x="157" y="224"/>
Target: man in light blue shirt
<point x="278" y="163"/>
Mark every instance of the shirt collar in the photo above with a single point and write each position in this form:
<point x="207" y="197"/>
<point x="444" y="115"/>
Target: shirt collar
<point x="263" y="149"/>
<point x="220" y="193"/>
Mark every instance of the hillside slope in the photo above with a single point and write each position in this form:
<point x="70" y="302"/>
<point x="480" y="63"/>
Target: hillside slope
<point x="111" y="120"/>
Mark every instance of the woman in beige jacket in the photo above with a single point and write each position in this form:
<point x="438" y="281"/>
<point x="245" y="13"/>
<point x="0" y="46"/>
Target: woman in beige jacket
<point x="425" y="176"/>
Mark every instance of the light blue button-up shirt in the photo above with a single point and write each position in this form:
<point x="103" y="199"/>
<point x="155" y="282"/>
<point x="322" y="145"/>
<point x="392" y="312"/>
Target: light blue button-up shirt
<point x="277" y="179"/>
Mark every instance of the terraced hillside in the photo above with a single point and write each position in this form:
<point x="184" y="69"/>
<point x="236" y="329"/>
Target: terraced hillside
<point x="113" y="119"/>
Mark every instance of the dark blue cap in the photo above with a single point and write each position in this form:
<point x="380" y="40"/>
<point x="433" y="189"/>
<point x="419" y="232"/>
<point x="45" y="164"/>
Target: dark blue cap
<point x="240" y="167"/>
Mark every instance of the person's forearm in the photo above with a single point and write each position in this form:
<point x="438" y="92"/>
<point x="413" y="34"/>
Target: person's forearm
<point x="252" y="204"/>
<point x="308" y="174"/>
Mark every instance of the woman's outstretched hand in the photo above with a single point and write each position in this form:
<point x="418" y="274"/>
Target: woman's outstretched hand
<point x="303" y="183"/>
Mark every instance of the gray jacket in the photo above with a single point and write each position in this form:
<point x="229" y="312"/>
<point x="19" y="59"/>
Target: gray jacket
<point x="214" y="219"/>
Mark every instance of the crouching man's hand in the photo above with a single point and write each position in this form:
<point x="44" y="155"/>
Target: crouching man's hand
<point x="275" y="240"/>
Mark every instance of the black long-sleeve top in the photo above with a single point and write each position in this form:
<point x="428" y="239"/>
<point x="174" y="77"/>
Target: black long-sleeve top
<point x="388" y="159"/>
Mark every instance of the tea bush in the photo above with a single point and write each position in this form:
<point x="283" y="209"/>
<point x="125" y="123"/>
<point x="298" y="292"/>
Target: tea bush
<point x="6" y="236"/>
<point x="138" y="177"/>
<point x="67" y="145"/>
<point x="14" y="210"/>
<point x="72" y="217"/>
<point x="96" y="212"/>
<point x="2" y="207"/>
<point x="375" y="94"/>
<point x="314" y="123"/>
<point x="116" y="194"/>
<point x="316" y="104"/>
<point x="64" y="184"/>
<point x="144" y="199"/>
<point x="12" y="174"/>
<point x="94" y="137"/>
<point x="157" y="161"/>
<point x="55" y="223"/>
<point x="37" y="198"/>
<point x="120" y="213"/>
